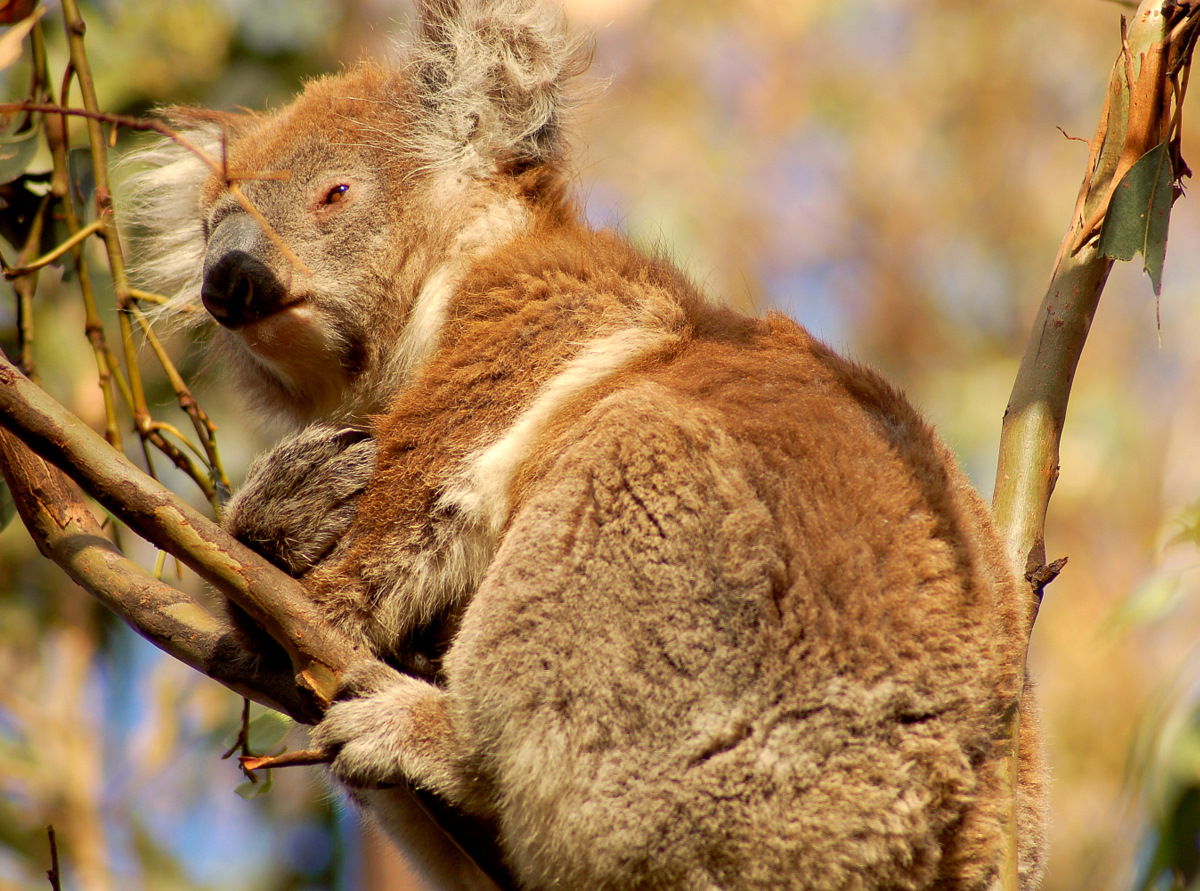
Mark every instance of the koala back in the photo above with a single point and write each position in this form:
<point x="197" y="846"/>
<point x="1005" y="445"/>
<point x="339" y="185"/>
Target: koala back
<point x="717" y="595"/>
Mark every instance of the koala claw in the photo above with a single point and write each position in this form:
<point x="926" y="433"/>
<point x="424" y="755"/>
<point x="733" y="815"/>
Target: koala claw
<point x="385" y="728"/>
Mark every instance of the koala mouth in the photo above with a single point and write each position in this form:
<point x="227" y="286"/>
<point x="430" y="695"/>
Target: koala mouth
<point x="288" y="327"/>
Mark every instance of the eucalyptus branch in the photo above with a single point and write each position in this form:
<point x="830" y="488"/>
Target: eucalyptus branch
<point x="273" y="599"/>
<point x="457" y="851"/>
<point x="1139" y="126"/>
<point x="448" y="847"/>
<point x="66" y="532"/>
<point x="1141" y="112"/>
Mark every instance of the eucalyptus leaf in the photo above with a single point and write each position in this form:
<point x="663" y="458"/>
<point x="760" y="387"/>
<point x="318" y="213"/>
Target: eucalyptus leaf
<point x="250" y="791"/>
<point x="1139" y="212"/>
<point x="268" y="730"/>
<point x="16" y="151"/>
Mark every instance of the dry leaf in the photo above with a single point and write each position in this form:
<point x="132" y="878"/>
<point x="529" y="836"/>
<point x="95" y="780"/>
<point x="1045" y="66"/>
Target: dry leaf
<point x="12" y="43"/>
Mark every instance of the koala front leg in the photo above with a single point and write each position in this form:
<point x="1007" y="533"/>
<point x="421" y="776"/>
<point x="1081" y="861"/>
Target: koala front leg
<point x="299" y="498"/>
<point x="386" y="728"/>
<point x="297" y="504"/>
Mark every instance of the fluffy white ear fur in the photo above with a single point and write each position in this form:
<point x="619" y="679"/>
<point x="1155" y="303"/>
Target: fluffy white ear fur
<point x="160" y="209"/>
<point x="491" y="81"/>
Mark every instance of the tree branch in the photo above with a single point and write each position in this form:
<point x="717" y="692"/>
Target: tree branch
<point x="66" y="532"/>
<point x="272" y="598"/>
<point x="448" y="848"/>
<point x="1141" y="113"/>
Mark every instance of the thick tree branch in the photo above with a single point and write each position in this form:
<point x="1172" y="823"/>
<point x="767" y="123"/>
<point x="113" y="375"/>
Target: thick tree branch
<point x="449" y="849"/>
<point x="272" y="598"/>
<point x="66" y="532"/>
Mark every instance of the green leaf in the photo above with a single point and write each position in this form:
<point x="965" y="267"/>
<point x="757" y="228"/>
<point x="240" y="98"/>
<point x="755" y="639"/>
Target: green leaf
<point x="1139" y="212"/>
<point x="268" y="730"/>
<point x="250" y="791"/>
<point x="17" y="151"/>
<point x="8" y="509"/>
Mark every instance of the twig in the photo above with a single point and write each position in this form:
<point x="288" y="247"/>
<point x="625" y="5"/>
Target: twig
<point x="217" y="484"/>
<point x="297" y="758"/>
<point x="25" y="286"/>
<point x="158" y="299"/>
<point x="48" y="258"/>
<point x="52" y="873"/>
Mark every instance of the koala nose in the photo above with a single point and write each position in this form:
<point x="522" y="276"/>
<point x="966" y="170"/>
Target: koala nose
<point x="239" y="288"/>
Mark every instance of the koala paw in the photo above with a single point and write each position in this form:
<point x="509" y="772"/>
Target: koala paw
<point x="387" y="728"/>
<point x="299" y="498"/>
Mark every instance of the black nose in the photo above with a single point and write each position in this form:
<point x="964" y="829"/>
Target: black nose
<point x="239" y="287"/>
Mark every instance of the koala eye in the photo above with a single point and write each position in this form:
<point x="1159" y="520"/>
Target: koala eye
<point x="336" y="194"/>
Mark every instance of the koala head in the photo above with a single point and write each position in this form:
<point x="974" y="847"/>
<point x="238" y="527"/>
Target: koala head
<point x="325" y="238"/>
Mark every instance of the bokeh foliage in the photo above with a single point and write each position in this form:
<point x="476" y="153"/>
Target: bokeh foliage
<point x="891" y="173"/>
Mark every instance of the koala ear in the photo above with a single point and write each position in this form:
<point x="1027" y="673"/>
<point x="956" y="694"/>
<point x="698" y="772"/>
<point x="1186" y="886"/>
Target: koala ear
<point x="160" y="204"/>
<point x="490" y="79"/>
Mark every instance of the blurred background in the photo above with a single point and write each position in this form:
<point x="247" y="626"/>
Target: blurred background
<point x="896" y="174"/>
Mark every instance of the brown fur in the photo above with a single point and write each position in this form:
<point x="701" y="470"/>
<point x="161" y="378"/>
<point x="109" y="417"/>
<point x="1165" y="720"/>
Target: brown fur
<point x="906" y="597"/>
<point x="676" y="597"/>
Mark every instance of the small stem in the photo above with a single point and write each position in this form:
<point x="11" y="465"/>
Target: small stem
<point x="298" y="758"/>
<point x="60" y="185"/>
<point x="53" y="873"/>
<point x="75" y="29"/>
<point x="242" y="743"/>
<point x="158" y="299"/>
<point x="205" y="428"/>
<point x="48" y="258"/>
<point x="26" y="286"/>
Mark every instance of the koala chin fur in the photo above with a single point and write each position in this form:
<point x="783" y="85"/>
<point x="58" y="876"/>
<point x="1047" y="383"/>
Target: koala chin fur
<point x="676" y="597"/>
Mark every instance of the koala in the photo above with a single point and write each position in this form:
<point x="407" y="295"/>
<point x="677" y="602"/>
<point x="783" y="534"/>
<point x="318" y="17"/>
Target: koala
<point x="672" y="597"/>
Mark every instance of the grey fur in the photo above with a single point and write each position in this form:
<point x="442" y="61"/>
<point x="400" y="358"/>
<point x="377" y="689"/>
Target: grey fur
<point x="299" y="498"/>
